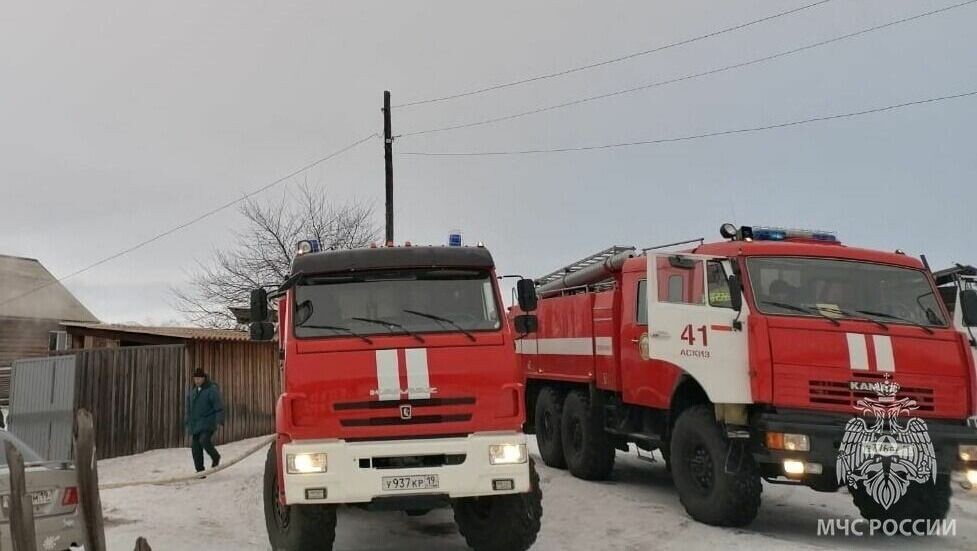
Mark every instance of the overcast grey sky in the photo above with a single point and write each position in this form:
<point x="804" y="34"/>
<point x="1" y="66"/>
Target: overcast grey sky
<point x="121" y="119"/>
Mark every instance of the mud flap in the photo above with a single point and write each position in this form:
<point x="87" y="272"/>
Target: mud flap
<point x="735" y="454"/>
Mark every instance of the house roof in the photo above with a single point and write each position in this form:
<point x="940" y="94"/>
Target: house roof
<point x="141" y="333"/>
<point x="28" y="290"/>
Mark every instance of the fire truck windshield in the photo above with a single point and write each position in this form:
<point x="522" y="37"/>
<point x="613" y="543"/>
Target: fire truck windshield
<point x="843" y="289"/>
<point x="407" y="301"/>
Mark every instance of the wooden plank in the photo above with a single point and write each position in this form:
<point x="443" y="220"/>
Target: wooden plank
<point x="22" y="533"/>
<point x="86" y="467"/>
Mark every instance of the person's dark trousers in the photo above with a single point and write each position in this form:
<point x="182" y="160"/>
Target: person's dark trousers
<point x="203" y="441"/>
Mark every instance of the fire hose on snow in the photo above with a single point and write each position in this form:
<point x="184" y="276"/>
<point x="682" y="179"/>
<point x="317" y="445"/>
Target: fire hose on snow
<point x="196" y="476"/>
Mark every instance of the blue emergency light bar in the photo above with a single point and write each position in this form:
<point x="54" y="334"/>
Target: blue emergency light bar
<point x="308" y="246"/>
<point x="764" y="233"/>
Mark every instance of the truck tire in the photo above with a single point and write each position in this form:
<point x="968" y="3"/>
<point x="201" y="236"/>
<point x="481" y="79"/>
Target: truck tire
<point x="708" y="493"/>
<point x="502" y="523"/>
<point x="549" y="413"/>
<point x="295" y="527"/>
<point x="589" y="454"/>
<point x="926" y="501"/>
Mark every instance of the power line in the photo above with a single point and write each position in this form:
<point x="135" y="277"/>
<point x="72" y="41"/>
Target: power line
<point x="695" y="136"/>
<point x="612" y="60"/>
<point x="192" y="221"/>
<point x="691" y="76"/>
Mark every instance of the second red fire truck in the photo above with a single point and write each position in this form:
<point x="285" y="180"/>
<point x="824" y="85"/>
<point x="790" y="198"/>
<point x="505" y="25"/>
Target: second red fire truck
<point x="748" y="359"/>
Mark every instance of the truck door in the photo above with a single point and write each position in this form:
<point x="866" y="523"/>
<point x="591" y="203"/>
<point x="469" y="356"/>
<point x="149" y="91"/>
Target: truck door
<point x="690" y="324"/>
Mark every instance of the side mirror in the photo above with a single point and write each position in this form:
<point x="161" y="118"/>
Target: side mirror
<point x="525" y="324"/>
<point x="262" y="330"/>
<point x="526" y="294"/>
<point x="259" y="305"/>
<point x="735" y="293"/>
<point x="968" y="307"/>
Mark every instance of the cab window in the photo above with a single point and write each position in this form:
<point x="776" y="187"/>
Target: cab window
<point x="641" y="313"/>
<point x="718" y="283"/>
<point x="680" y="280"/>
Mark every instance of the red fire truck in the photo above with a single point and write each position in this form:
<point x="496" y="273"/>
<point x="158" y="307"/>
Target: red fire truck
<point x="400" y="391"/>
<point x="744" y="360"/>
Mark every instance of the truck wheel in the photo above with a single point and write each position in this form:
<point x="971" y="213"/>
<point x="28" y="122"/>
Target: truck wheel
<point x="549" y="411"/>
<point x="502" y="523"/>
<point x="588" y="453"/>
<point x="295" y="527"/>
<point x="708" y="492"/>
<point x="926" y="501"/>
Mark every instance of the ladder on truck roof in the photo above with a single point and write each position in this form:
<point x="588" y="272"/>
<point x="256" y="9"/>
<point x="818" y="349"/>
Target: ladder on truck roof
<point x="595" y="258"/>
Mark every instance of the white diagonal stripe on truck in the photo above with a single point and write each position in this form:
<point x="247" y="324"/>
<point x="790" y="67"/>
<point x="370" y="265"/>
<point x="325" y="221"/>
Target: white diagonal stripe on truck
<point x="857" y="352"/>
<point x="418" y="375"/>
<point x="885" y="360"/>
<point x="388" y="375"/>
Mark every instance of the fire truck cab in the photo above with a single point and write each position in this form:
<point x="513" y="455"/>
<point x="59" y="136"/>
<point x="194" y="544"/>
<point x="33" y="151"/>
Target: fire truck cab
<point x="745" y="360"/>
<point x="400" y="390"/>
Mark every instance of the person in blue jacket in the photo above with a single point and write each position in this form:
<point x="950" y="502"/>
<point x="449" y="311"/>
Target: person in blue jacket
<point x="205" y="411"/>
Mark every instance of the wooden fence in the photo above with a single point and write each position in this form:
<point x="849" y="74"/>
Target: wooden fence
<point x="137" y="394"/>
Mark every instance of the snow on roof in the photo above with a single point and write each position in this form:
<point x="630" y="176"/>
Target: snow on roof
<point x="28" y="290"/>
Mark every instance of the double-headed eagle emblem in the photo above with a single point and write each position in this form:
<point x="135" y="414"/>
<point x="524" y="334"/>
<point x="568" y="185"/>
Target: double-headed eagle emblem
<point x="885" y="457"/>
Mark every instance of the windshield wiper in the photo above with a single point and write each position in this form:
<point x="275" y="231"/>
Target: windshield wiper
<point x="800" y="309"/>
<point x="852" y="315"/>
<point x="443" y="320"/>
<point x="891" y="317"/>
<point x="338" y="328"/>
<point x="391" y="324"/>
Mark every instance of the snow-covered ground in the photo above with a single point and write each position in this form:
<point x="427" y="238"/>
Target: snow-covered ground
<point x="638" y="509"/>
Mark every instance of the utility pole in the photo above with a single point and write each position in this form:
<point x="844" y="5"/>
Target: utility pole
<point x="388" y="161"/>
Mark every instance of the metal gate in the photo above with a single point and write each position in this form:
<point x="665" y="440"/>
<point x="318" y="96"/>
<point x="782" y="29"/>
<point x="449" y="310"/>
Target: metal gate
<point x="42" y="404"/>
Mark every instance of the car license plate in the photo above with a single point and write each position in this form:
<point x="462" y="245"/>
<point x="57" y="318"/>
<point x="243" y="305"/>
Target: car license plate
<point x="412" y="482"/>
<point x="42" y="497"/>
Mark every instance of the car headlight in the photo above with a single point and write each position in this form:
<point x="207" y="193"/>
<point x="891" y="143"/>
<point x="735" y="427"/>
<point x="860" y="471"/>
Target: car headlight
<point x="507" y="454"/>
<point x="968" y="452"/>
<point x="305" y="463"/>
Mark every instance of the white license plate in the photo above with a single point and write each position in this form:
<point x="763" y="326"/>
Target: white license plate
<point x="42" y="497"/>
<point x="412" y="482"/>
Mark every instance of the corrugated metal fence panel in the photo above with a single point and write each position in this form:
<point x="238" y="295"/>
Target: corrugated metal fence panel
<point x="5" y="386"/>
<point x="135" y="396"/>
<point x="247" y="373"/>
<point x="42" y="402"/>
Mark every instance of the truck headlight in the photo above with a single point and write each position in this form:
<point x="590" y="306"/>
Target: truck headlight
<point x="788" y="441"/>
<point x="968" y="452"/>
<point x="305" y="463"/>
<point x="507" y="454"/>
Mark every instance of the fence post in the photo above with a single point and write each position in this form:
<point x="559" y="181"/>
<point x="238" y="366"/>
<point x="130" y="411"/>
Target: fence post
<point x="21" y="507"/>
<point x="87" y="470"/>
<point x="142" y="545"/>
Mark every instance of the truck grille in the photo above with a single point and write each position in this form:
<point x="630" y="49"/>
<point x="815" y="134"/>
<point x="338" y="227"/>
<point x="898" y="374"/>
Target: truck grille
<point x="412" y="461"/>
<point x="839" y="393"/>
<point x="415" y="420"/>
<point x="423" y="411"/>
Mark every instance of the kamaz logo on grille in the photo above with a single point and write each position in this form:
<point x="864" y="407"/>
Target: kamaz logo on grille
<point x="885" y="388"/>
<point x="406" y="411"/>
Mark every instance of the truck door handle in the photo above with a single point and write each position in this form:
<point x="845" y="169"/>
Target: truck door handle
<point x="659" y="334"/>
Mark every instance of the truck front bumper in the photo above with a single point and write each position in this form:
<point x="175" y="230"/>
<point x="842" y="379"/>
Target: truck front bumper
<point x="360" y="472"/>
<point x="825" y="432"/>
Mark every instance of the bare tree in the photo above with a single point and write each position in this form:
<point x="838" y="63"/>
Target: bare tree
<point x="265" y="249"/>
